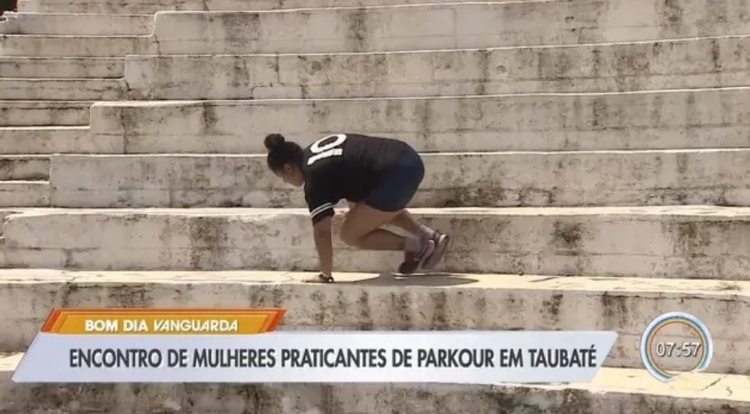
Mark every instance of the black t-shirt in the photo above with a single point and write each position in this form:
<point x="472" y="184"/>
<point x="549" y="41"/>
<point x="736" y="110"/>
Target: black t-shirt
<point x="345" y="166"/>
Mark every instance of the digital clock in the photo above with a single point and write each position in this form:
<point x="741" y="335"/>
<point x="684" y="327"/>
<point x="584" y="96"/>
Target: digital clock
<point x="689" y="347"/>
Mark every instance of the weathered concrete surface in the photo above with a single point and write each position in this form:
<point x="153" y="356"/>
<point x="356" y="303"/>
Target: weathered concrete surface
<point x="74" y="46"/>
<point x="153" y="6"/>
<point x="685" y="242"/>
<point x="44" y="113"/>
<point x="77" y="24"/>
<point x="709" y="118"/>
<point x="369" y="301"/>
<point x="24" y="194"/>
<point x="20" y="167"/>
<point x="435" y="26"/>
<point x="697" y="63"/>
<point x="31" y="67"/>
<point x="614" y="391"/>
<point x="50" y="140"/>
<point x="496" y="179"/>
<point x="61" y="89"/>
<point x="462" y="25"/>
<point x="706" y="118"/>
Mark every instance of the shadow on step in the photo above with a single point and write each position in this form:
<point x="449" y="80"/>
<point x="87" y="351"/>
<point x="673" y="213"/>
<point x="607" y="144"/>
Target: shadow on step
<point x="432" y="279"/>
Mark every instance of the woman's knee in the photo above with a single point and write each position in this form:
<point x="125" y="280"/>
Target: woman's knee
<point x="361" y="221"/>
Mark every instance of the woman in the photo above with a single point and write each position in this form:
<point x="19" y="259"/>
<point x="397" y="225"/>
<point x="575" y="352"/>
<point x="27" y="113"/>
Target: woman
<point x="377" y="176"/>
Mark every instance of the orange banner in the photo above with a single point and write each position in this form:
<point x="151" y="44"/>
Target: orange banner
<point x="113" y="321"/>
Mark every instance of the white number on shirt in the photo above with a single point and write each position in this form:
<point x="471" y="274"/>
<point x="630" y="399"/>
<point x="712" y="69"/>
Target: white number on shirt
<point x="323" y="149"/>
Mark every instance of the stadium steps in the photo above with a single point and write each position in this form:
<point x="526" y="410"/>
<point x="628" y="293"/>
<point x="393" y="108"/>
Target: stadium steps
<point x="153" y="6"/>
<point x="372" y="301"/>
<point x="24" y="180"/>
<point x="599" y="77"/>
<point x="497" y="179"/>
<point x="76" y="24"/>
<point x="615" y="391"/>
<point x="689" y="242"/>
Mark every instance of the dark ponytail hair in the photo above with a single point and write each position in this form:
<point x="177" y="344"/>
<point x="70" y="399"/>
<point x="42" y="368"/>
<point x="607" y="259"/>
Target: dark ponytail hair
<point x="282" y="152"/>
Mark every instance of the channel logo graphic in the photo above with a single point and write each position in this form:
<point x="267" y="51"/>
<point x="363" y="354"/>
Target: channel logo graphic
<point x="666" y="357"/>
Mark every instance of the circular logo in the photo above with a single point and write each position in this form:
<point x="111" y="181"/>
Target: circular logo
<point x="690" y="349"/>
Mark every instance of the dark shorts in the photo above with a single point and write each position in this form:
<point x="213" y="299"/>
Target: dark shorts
<point x="399" y="183"/>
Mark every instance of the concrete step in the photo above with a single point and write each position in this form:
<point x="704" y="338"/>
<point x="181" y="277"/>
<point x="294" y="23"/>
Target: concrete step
<point x="614" y="391"/>
<point x="708" y="118"/>
<point x="44" y="113"/>
<point x="61" y="89"/>
<point x="77" y="24"/>
<point x="495" y="179"/>
<point x="50" y="140"/>
<point x="153" y="6"/>
<point x="441" y="26"/>
<point x="678" y="241"/>
<point x="697" y="63"/>
<point x="24" y="194"/>
<point x="30" y="67"/>
<point x="430" y="26"/>
<point x="24" y="167"/>
<point x="74" y="46"/>
<point x="372" y="302"/>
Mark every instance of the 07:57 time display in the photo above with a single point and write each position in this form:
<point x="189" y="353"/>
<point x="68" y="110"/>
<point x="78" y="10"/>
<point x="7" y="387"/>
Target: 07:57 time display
<point x="677" y="349"/>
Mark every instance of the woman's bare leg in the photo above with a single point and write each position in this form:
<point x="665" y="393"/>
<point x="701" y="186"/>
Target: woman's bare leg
<point x="406" y="222"/>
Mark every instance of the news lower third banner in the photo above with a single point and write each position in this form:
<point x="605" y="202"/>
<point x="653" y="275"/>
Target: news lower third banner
<point x="243" y="346"/>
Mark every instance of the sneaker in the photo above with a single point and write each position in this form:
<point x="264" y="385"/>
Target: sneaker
<point x="413" y="262"/>
<point x="442" y="241"/>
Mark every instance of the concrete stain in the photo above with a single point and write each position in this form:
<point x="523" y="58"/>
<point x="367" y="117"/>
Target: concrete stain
<point x="7" y="166"/>
<point x="320" y="112"/>
<point x="555" y="66"/>
<point x="716" y="55"/>
<point x="480" y="306"/>
<point x="483" y="64"/>
<point x="208" y="240"/>
<point x="672" y="14"/>
<point x="599" y="108"/>
<point x="401" y="304"/>
<point x="439" y="321"/>
<point x="657" y="109"/>
<point x="242" y="75"/>
<point x="209" y="119"/>
<point x="356" y="39"/>
<point x="423" y="112"/>
<point x="365" y="322"/>
<point x="596" y="63"/>
<point x="552" y="306"/>
<point x="488" y="195"/>
<point x="692" y="238"/>
<point x="568" y="236"/>
<point x="131" y="296"/>
<point x="340" y="308"/>
<point x="237" y="26"/>
<point x="614" y="310"/>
